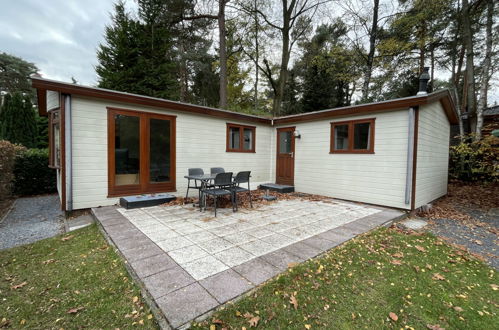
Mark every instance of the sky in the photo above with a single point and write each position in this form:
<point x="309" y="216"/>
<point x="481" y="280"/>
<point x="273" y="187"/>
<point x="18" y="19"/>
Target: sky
<point x="59" y="36"/>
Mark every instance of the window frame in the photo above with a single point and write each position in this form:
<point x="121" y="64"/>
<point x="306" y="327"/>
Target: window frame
<point x="144" y="186"/>
<point x="241" y="138"/>
<point x="54" y="161"/>
<point x="351" y="134"/>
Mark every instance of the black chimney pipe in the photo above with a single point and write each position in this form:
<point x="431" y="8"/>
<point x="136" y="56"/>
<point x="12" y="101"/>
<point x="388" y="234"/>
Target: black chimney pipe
<point x="423" y="81"/>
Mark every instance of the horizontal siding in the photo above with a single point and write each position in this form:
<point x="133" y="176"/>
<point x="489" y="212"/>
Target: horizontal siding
<point x="53" y="100"/>
<point x="201" y="142"/>
<point x="433" y="154"/>
<point x="377" y="178"/>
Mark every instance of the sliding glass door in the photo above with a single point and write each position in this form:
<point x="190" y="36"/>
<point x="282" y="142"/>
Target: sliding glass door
<point x="141" y="152"/>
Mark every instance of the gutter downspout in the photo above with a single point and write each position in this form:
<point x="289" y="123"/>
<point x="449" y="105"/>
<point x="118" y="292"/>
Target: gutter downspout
<point x="68" y="151"/>
<point x="410" y="156"/>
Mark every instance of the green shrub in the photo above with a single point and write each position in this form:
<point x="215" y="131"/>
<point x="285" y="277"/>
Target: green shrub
<point x="475" y="160"/>
<point x="32" y="174"/>
<point x="8" y="152"/>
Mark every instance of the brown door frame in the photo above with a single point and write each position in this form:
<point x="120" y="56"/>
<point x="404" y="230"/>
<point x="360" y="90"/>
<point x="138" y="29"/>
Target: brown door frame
<point x="144" y="185"/>
<point x="290" y="156"/>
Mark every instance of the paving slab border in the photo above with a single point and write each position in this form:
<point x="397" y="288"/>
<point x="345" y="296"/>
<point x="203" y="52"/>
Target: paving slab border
<point x="171" y="297"/>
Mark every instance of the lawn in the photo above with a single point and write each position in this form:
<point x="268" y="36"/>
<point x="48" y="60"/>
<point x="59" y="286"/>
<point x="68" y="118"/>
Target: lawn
<point x="70" y="281"/>
<point x="384" y="279"/>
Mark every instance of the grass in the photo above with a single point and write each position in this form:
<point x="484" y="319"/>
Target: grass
<point x="70" y="281"/>
<point x="385" y="279"/>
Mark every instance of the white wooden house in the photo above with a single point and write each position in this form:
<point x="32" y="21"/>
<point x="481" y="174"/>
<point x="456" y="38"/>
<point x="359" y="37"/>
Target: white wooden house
<point x="106" y="144"/>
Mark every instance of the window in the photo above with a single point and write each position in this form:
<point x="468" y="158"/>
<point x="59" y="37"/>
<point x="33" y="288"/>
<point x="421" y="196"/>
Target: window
<point x="54" y="139"/>
<point x="240" y="138"/>
<point x="355" y="136"/>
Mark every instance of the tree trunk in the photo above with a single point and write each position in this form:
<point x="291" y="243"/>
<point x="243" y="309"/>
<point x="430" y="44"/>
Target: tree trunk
<point x="456" y="78"/>
<point x="256" y="56"/>
<point x="372" y="49"/>
<point x="482" y="102"/>
<point x="283" y="71"/>
<point x="222" y="53"/>
<point x="470" y="71"/>
<point x="422" y="42"/>
<point x="183" y="73"/>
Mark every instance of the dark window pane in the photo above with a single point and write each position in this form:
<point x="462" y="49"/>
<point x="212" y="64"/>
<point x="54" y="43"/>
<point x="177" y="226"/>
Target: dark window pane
<point x="341" y="137"/>
<point x="159" y="146"/>
<point x="248" y="139"/>
<point x="127" y="149"/>
<point x="285" y="142"/>
<point x="361" y="135"/>
<point x="234" y="138"/>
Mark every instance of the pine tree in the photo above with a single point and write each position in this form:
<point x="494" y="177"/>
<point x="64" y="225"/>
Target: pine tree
<point x="18" y="122"/>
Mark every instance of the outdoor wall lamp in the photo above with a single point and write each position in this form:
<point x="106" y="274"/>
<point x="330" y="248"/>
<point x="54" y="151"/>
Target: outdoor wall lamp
<point x="297" y="134"/>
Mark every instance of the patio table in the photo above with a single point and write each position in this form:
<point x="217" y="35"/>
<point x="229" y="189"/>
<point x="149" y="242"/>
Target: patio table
<point x="205" y="179"/>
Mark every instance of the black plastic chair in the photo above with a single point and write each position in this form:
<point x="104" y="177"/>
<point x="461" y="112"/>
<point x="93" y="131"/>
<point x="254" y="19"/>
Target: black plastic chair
<point x="222" y="186"/>
<point x="216" y="170"/>
<point x="194" y="171"/>
<point x="241" y="177"/>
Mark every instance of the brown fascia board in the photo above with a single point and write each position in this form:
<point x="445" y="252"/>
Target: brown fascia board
<point x="396" y="104"/>
<point x="42" y="85"/>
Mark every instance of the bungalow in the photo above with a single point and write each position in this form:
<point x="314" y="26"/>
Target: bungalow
<point x="106" y="144"/>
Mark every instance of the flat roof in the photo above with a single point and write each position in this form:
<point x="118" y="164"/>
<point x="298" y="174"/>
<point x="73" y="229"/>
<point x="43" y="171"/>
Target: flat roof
<point x="42" y="85"/>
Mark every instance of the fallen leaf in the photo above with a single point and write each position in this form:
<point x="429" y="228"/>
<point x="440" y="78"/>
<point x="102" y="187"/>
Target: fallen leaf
<point x="74" y="310"/>
<point x="293" y="301"/>
<point x="478" y="242"/>
<point x="494" y="287"/>
<point x="46" y="262"/>
<point x="4" y="323"/>
<point x="213" y="327"/>
<point x="438" y="277"/>
<point x="67" y="238"/>
<point x="253" y="322"/>
<point x="20" y="285"/>
<point x="434" y="327"/>
<point x="398" y="255"/>
<point x="420" y="248"/>
<point x="393" y="316"/>
<point x="135" y="299"/>
<point x="458" y="309"/>
<point x="308" y="326"/>
<point x="149" y="316"/>
<point x="216" y="321"/>
<point x="396" y="262"/>
<point x="292" y="264"/>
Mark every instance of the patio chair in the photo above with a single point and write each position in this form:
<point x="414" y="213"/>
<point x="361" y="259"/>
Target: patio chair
<point x="216" y="170"/>
<point x="194" y="171"/>
<point x="241" y="177"/>
<point x="222" y="186"/>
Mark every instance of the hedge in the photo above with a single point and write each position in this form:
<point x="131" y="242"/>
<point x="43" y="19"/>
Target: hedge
<point x="32" y="176"/>
<point x="8" y="153"/>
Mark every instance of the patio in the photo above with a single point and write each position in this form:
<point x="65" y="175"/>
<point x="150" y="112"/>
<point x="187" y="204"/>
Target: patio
<point x="190" y="262"/>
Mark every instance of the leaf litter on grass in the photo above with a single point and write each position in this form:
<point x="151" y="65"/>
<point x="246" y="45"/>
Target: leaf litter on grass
<point x="357" y="278"/>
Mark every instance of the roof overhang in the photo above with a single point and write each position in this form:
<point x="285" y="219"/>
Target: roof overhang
<point x="43" y="85"/>
<point x="396" y="104"/>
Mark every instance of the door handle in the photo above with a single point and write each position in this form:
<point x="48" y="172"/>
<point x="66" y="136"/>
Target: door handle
<point x="292" y="154"/>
